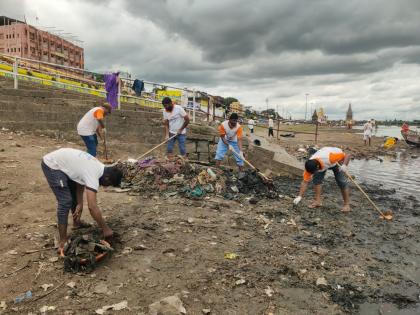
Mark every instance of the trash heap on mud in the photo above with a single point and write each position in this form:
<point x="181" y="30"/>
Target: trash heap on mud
<point x="196" y="181"/>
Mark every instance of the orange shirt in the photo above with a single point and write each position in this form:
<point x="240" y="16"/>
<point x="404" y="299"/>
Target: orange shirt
<point x="231" y="134"/>
<point x="327" y="157"/>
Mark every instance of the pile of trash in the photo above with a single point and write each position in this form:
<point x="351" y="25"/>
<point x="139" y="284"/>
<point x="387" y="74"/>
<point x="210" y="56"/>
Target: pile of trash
<point x="191" y="180"/>
<point x="83" y="252"/>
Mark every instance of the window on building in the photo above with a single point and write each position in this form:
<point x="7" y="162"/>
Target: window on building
<point x="1" y="36"/>
<point x="7" y="49"/>
<point x="13" y="35"/>
<point x="17" y="35"/>
<point x="18" y="49"/>
<point x="14" y="49"/>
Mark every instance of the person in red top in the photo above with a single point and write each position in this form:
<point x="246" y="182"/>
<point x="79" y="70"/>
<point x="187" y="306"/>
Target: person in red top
<point x="316" y="167"/>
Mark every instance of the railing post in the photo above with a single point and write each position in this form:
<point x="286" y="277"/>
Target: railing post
<point x="316" y="132"/>
<point x="119" y="93"/>
<point x="193" y="106"/>
<point x="15" y="73"/>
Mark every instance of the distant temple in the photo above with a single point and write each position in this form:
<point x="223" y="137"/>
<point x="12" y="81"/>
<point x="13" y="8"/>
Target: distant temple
<point x="349" y="118"/>
<point x="322" y="118"/>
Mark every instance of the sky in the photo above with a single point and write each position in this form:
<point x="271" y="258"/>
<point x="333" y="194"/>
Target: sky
<point x="330" y="53"/>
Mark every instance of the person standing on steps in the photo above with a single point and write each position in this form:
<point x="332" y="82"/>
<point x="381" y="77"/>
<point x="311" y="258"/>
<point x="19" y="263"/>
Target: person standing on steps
<point x="327" y="158"/>
<point x="175" y="122"/>
<point x="71" y="172"/>
<point x="91" y="125"/>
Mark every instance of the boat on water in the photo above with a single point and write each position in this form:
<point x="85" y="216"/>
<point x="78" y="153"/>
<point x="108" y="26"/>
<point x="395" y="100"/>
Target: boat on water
<point x="411" y="137"/>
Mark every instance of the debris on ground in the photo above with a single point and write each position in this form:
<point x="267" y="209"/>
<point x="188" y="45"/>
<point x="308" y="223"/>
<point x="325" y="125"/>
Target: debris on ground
<point x="21" y="298"/>
<point x="170" y="305"/>
<point x="83" y="252"/>
<point x="47" y="308"/>
<point x="192" y="180"/>
<point x="115" y="307"/>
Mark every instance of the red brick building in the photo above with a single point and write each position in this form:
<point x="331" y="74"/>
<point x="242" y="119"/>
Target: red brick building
<point x="23" y="40"/>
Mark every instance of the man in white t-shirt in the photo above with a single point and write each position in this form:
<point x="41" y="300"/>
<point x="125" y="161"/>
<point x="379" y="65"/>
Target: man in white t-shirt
<point x="175" y="121"/>
<point x="251" y="124"/>
<point x="88" y="127"/>
<point x="367" y="132"/>
<point x="69" y="172"/>
<point x="270" y="127"/>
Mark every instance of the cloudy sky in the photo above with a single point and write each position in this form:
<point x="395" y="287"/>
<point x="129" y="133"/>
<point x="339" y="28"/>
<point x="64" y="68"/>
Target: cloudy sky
<point x="366" y="53"/>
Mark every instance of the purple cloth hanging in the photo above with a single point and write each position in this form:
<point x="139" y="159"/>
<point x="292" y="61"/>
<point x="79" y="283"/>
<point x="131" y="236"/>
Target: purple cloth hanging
<point x="111" y="87"/>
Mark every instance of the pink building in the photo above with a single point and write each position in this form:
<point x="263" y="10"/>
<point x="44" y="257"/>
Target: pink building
<point x="23" y="40"/>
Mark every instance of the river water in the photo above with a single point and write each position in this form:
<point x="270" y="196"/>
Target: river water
<point x="401" y="173"/>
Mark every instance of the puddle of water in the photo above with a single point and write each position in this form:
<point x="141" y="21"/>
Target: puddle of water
<point x="402" y="174"/>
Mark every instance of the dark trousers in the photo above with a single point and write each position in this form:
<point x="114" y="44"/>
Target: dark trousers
<point x="91" y="143"/>
<point x="64" y="190"/>
<point x="271" y="132"/>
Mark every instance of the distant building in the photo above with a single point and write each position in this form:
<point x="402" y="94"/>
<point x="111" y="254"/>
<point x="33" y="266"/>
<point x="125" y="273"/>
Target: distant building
<point x="349" y="118"/>
<point x="236" y="107"/>
<point x="322" y="118"/>
<point x="26" y="41"/>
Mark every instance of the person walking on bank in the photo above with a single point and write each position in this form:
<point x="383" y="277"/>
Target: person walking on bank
<point x="270" y="127"/>
<point x="175" y="121"/>
<point x="251" y="124"/>
<point x="327" y="158"/>
<point x="89" y="126"/>
<point x="367" y="132"/>
<point x="230" y="136"/>
<point x="68" y="173"/>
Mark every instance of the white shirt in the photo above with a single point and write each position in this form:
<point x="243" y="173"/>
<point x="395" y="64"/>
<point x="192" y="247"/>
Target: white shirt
<point x="89" y="123"/>
<point x="367" y="129"/>
<point x="251" y="124"/>
<point x="270" y="123"/>
<point x="80" y="166"/>
<point x="176" y="119"/>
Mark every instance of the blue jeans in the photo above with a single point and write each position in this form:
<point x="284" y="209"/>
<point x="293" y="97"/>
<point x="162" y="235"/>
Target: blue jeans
<point x="64" y="190"/>
<point x="222" y="149"/>
<point x="181" y="144"/>
<point x="91" y="143"/>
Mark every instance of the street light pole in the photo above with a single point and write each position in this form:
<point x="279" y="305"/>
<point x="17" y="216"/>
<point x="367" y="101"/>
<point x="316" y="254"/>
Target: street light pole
<point x="306" y="106"/>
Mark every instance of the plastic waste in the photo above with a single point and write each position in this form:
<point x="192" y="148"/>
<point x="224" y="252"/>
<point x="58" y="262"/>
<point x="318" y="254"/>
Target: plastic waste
<point x="211" y="173"/>
<point x="231" y="255"/>
<point x="21" y="298"/>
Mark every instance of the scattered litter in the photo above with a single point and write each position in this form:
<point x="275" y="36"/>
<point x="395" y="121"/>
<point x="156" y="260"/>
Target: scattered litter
<point x="115" y="307"/>
<point x="320" y="282"/>
<point x="25" y="296"/>
<point x="46" y="309"/>
<point x="169" y="305"/>
<point x="46" y="286"/>
<point x="71" y="284"/>
<point x="12" y="252"/>
<point x="53" y="259"/>
<point x="127" y="250"/>
<point x="102" y="288"/>
<point x="3" y="305"/>
<point x="206" y="311"/>
<point x="240" y="281"/>
<point x="139" y="247"/>
<point x="231" y="255"/>
<point x="269" y="291"/>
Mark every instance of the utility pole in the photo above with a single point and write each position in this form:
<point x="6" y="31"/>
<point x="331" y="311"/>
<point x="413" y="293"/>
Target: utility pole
<point x="266" y="102"/>
<point x="306" y="106"/>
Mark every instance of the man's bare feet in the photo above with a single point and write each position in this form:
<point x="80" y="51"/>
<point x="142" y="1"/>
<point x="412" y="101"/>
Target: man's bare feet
<point x="346" y="208"/>
<point x="315" y="204"/>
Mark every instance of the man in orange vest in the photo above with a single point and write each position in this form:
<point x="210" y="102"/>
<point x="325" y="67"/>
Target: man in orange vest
<point x="316" y="167"/>
<point x="230" y="132"/>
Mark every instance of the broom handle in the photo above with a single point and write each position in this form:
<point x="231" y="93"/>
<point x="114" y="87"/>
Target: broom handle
<point x="152" y="149"/>
<point x="247" y="162"/>
<point x="365" y="194"/>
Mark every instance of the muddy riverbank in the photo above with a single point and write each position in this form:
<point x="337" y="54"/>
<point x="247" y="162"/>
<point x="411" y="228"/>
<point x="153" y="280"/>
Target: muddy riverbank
<point x="289" y="260"/>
